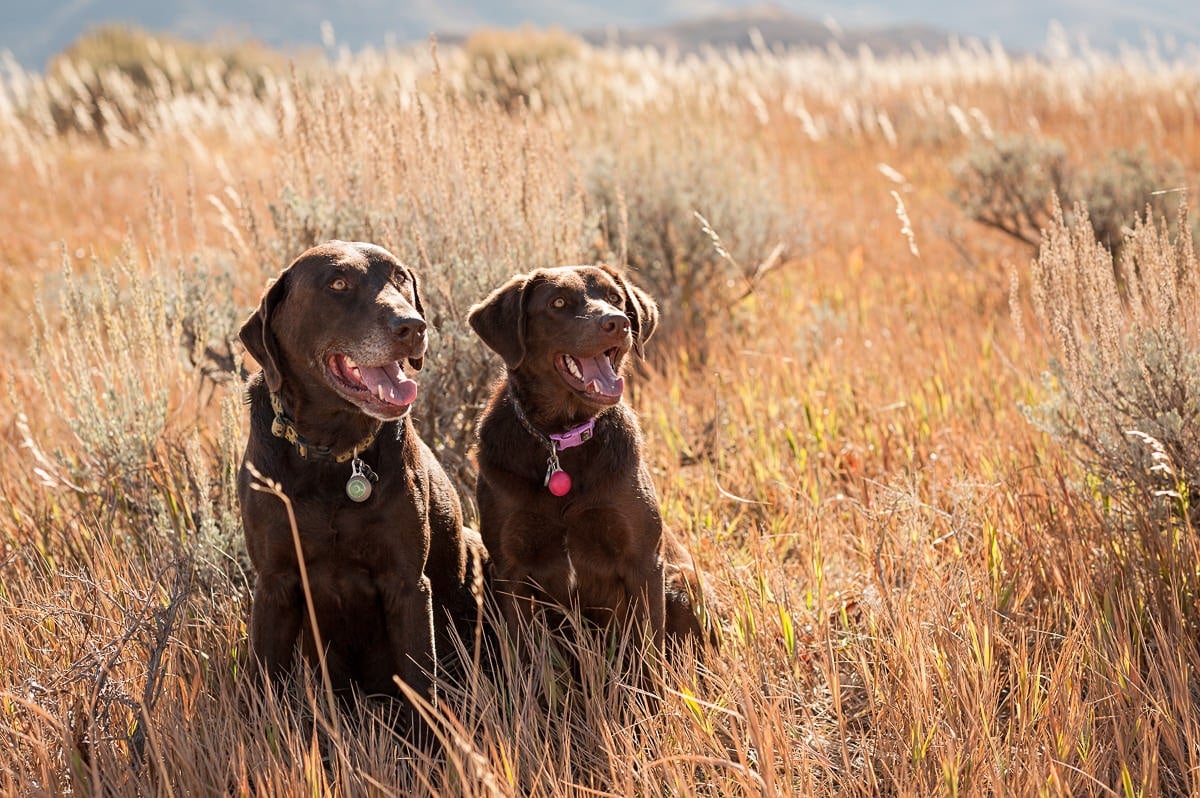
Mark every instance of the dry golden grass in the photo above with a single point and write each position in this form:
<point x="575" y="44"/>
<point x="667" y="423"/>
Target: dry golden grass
<point x="928" y="594"/>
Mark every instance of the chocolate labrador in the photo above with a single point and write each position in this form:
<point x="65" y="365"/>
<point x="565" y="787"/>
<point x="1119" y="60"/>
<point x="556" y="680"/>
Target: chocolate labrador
<point x="388" y="565"/>
<point x="567" y="508"/>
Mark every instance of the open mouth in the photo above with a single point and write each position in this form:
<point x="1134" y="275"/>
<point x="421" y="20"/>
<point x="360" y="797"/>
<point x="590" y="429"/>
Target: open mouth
<point x="593" y="377"/>
<point x="381" y="391"/>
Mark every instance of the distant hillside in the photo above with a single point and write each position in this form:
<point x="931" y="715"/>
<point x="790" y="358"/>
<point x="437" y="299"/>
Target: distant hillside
<point x="777" y="29"/>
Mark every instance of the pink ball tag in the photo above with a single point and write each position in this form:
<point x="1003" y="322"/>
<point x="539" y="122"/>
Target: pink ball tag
<point x="559" y="483"/>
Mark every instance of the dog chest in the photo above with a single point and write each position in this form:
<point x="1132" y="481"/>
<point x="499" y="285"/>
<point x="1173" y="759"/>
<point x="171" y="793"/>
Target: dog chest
<point x="383" y="537"/>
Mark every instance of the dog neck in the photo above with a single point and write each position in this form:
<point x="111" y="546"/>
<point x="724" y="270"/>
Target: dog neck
<point x="555" y="441"/>
<point x="284" y="426"/>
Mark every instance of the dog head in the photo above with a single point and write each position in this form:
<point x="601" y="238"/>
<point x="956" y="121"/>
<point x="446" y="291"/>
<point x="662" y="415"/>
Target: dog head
<point x="342" y="316"/>
<point x="570" y="326"/>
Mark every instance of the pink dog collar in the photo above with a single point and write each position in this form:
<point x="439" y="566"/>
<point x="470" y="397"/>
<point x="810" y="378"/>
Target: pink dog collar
<point x="574" y="437"/>
<point x="557" y="480"/>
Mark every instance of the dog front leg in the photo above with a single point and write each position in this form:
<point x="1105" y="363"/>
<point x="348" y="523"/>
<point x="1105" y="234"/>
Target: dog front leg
<point x="409" y="607"/>
<point x="516" y="599"/>
<point x="275" y="618"/>
<point x="651" y="595"/>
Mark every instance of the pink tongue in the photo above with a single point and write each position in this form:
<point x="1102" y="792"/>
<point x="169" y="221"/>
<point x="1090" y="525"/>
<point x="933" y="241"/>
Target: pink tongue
<point x="397" y="389"/>
<point x="599" y="377"/>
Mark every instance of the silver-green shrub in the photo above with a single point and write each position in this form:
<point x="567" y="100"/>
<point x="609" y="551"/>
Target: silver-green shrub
<point x="1007" y="183"/>
<point x="1123" y="183"/>
<point x="698" y="218"/>
<point x="122" y="356"/>
<point x="1011" y="184"/>
<point x="1125" y="385"/>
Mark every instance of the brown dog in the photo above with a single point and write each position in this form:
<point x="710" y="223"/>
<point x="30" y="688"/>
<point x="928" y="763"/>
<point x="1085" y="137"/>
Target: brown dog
<point x="379" y="522"/>
<point x="567" y="508"/>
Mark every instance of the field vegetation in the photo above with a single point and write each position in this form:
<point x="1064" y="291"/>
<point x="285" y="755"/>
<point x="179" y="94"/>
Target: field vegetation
<point x="924" y="404"/>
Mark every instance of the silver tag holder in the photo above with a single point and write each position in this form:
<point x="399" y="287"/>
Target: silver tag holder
<point x="358" y="487"/>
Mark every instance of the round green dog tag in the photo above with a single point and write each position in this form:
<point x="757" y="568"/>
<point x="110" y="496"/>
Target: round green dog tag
<point x="358" y="488"/>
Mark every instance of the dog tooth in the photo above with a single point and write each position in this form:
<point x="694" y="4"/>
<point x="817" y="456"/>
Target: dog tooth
<point x="379" y="389"/>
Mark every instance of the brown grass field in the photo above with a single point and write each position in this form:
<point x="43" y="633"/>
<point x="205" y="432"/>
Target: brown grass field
<point x="936" y="585"/>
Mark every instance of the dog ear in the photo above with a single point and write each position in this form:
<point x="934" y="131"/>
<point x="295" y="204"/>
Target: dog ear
<point x="641" y="310"/>
<point x="258" y="337"/>
<point x="500" y="321"/>
<point x="416" y="362"/>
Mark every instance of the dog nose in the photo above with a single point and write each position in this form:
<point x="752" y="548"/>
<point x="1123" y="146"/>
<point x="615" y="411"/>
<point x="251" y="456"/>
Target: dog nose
<point x="408" y="329"/>
<point x="614" y="323"/>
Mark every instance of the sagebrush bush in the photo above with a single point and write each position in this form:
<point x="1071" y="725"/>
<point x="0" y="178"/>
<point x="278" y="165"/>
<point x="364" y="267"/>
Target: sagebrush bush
<point x="107" y="361"/>
<point x="519" y="68"/>
<point x="1016" y="184"/>
<point x="1126" y="381"/>
<point x="123" y="360"/>
<point x="1008" y="183"/>
<point x="688" y="215"/>
<point x="1121" y="184"/>
<point x="113" y="80"/>
<point x="149" y="58"/>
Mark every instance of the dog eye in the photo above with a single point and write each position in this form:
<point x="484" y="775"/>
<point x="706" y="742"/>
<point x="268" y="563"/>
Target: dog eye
<point x="339" y="284"/>
<point x="616" y="299"/>
<point x="559" y="303"/>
